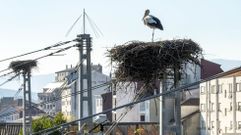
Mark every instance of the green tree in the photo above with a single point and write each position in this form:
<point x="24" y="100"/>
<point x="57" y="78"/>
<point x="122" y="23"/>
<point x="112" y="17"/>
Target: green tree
<point x="59" y="119"/>
<point x="46" y="122"/>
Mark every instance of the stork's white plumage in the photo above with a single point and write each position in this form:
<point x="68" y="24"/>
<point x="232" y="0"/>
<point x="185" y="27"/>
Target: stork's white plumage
<point x="152" y="22"/>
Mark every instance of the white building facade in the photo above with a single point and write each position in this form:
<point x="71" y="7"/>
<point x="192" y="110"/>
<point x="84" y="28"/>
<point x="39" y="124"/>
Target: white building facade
<point x="220" y="104"/>
<point x="147" y="111"/>
<point x="70" y="101"/>
<point x="48" y="99"/>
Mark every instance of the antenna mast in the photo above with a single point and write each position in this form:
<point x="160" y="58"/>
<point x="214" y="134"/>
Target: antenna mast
<point x="83" y="21"/>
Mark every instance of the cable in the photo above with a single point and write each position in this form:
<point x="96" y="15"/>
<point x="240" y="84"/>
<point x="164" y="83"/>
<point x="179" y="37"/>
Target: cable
<point x="94" y="26"/>
<point x="75" y="70"/>
<point x="61" y="87"/>
<point x="75" y="93"/>
<point x="3" y="75"/>
<point x="10" y="79"/>
<point x="47" y="48"/>
<point x="43" y="49"/>
<point x="50" y="54"/>
<point x="69" y="95"/>
<point x="115" y="123"/>
<point x="122" y="106"/>
<point x="72" y="26"/>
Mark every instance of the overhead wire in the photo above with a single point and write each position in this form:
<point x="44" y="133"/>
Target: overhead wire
<point x="66" y="96"/>
<point x="10" y="79"/>
<point x="43" y="49"/>
<point x="75" y="93"/>
<point x="62" y="87"/>
<point x="123" y="106"/>
<point x="49" y="54"/>
<point x="139" y="95"/>
<point x="46" y="48"/>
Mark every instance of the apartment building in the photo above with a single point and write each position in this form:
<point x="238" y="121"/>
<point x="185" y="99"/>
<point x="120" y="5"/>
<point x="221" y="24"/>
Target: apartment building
<point x="162" y="109"/>
<point x="62" y="94"/>
<point x="13" y="112"/>
<point x="125" y="93"/>
<point x="70" y="104"/>
<point x="220" y="104"/>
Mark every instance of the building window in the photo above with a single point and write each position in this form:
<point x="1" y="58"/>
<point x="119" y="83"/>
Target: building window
<point x="212" y="124"/>
<point x="225" y="93"/>
<point x="142" y="106"/>
<point x="220" y="88"/>
<point x="230" y="95"/>
<point x="202" y="108"/>
<point x="98" y="102"/>
<point x="225" y="112"/>
<point x="219" y="123"/>
<point x="239" y="106"/>
<point x="219" y="107"/>
<point x="213" y="89"/>
<point x="238" y="87"/>
<point x="230" y="87"/>
<point x="101" y="102"/>
<point x="231" y="125"/>
<point x="212" y="107"/>
<point x="142" y="118"/>
<point x="231" y="107"/>
<point x="239" y="125"/>
<point x="203" y="90"/>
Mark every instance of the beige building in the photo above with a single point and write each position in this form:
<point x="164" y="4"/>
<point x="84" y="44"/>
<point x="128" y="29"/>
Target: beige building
<point x="189" y="100"/>
<point x="220" y="104"/>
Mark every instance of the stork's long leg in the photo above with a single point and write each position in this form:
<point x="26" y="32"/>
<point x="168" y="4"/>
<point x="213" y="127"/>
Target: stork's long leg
<point x="153" y="35"/>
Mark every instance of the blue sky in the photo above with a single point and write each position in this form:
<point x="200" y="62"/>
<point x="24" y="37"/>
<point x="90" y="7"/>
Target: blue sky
<point x="28" y="25"/>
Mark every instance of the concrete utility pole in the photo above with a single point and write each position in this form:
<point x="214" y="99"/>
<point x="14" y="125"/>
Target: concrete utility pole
<point x="27" y="115"/>
<point x="85" y="98"/>
<point x="25" y="67"/>
<point x="177" y="102"/>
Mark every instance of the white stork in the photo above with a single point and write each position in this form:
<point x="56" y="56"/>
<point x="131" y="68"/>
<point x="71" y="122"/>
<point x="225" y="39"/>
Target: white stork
<point x="152" y="22"/>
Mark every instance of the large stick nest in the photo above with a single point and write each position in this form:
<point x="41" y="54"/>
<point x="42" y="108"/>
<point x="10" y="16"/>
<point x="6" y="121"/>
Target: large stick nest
<point x="147" y="61"/>
<point x="23" y="65"/>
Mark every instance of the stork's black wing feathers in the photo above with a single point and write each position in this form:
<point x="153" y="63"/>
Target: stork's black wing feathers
<point x="157" y="23"/>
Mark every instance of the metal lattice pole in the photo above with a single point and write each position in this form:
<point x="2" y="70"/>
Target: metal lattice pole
<point x="27" y="114"/>
<point x="85" y="98"/>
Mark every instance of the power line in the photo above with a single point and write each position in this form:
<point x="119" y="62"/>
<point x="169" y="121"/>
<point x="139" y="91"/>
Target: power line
<point x="46" y="48"/>
<point x="3" y="75"/>
<point x="50" y="54"/>
<point x="75" y="93"/>
<point x="123" y="106"/>
<point x="139" y="95"/>
<point x="43" y="49"/>
<point x="10" y="79"/>
<point x="69" y="95"/>
<point x="61" y="88"/>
